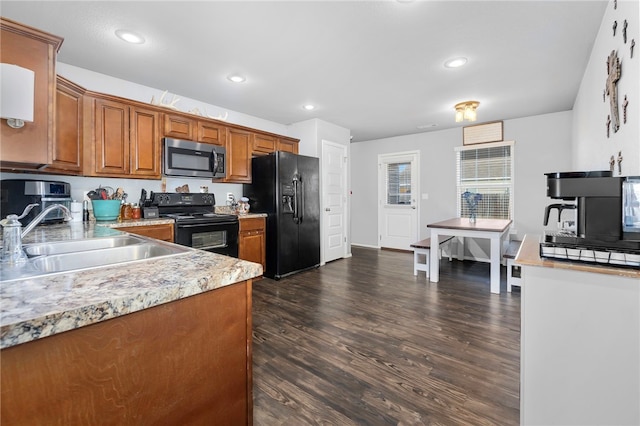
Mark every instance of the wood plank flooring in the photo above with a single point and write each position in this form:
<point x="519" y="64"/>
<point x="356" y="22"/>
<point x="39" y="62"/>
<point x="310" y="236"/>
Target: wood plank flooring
<point x="361" y="341"/>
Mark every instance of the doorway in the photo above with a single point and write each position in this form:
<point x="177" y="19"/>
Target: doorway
<point x="397" y="199"/>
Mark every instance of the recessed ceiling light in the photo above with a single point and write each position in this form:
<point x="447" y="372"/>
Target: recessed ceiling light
<point x="236" y="78"/>
<point x="130" y="36"/>
<point x="309" y="107"/>
<point x="455" y="62"/>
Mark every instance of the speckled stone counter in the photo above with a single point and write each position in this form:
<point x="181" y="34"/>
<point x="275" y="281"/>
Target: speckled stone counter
<point x="39" y="307"/>
<point x="229" y="210"/>
<point x="134" y="222"/>
<point x="529" y="255"/>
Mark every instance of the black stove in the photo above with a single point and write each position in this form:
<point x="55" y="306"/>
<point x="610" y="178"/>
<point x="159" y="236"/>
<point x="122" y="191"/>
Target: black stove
<point x="189" y="207"/>
<point x="196" y="223"/>
<point x="200" y="217"/>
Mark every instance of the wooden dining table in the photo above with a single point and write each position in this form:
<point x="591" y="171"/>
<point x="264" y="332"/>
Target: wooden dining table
<point x="492" y="229"/>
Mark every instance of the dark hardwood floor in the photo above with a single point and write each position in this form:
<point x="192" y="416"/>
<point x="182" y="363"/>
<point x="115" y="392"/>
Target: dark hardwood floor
<point x="361" y="341"/>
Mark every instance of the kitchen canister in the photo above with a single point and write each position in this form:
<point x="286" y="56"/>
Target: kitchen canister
<point x="76" y="211"/>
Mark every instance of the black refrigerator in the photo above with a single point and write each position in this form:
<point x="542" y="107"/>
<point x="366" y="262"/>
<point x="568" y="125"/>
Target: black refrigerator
<point x="285" y="186"/>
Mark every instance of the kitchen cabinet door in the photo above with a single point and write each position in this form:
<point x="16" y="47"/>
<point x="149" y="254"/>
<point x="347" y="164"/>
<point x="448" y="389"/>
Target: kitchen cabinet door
<point x="68" y="143"/>
<point x="238" y="156"/>
<point x="145" y="143"/>
<point x="264" y="144"/>
<point x="111" y="138"/>
<point x="179" y="127"/>
<point x="30" y="146"/>
<point x="252" y="244"/>
<point x="212" y="133"/>
<point x="288" y="145"/>
<point x="185" y="362"/>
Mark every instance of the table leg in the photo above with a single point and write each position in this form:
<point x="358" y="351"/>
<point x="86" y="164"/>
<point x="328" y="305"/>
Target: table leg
<point x="495" y="264"/>
<point x="434" y="262"/>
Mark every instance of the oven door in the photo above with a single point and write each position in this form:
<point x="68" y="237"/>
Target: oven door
<point x="219" y="237"/>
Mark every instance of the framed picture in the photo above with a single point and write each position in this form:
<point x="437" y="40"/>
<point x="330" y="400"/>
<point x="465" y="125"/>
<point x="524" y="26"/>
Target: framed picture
<point x="482" y="133"/>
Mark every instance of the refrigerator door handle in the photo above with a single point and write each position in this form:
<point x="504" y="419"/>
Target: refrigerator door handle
<point x="296" y="208"/>
<point x="301" y="201"/>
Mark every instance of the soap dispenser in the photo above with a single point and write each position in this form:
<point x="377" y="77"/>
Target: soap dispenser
<point x="12" y="237"/>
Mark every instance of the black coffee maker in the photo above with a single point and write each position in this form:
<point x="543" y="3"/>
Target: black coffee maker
<point x="597" y="198"/>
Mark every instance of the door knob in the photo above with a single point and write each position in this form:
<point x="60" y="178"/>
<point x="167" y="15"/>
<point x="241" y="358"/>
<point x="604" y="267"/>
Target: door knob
<point x="327" y="209"/>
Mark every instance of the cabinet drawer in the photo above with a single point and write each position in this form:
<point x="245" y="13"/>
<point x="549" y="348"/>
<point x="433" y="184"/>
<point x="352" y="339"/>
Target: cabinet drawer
<point x="252" y="224"/>
<point x="162" y="232"/>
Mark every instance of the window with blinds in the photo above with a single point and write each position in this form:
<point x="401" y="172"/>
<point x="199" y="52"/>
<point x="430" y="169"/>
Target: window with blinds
<point x="486" y="170"/>
<point x="398" y="183"/>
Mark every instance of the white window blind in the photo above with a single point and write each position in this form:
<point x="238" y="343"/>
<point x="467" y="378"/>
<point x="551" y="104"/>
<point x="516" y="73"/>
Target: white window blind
<point x="486" y="170"/>
<point x="398" y="183"/>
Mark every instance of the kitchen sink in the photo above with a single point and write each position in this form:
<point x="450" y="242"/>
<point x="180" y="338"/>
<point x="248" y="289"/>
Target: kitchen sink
<point x="73" y="246"/>
<point x="108" y="256"/>
<point x="76" y="255"/>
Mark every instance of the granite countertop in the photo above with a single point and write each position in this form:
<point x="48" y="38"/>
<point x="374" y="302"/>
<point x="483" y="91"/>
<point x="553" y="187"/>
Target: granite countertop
<point x="529" y="255"/>
<point x="250" y="215"/>
<point x="38" y="307"/>
<point x="135" y="222"/>
<point x="230" y="210"/>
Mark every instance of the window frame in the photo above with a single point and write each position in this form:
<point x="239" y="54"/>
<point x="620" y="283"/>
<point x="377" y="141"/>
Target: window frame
<point x="461" y="187"/>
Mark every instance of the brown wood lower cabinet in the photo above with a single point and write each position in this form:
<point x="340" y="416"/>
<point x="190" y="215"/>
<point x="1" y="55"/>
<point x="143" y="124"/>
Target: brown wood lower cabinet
<point x="162" y="232"/>
<point x="252" y="245"/>
<point x="183" y="362"/>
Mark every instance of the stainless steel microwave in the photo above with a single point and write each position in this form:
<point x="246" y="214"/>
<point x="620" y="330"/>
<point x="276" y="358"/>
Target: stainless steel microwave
<point x="194" y="159"/>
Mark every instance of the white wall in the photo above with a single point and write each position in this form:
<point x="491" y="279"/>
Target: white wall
<point x="103" y="83"/>
<point x="591" y="147"/>
<point x="81" y="185"/>
<point x="542" y="144"/>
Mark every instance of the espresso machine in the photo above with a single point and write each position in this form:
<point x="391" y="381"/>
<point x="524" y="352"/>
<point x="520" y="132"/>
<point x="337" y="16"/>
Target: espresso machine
<point x="598" y="237"/>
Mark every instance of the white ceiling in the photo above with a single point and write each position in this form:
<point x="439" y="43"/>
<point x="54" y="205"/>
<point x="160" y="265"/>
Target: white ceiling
<point x="374" y="67"/>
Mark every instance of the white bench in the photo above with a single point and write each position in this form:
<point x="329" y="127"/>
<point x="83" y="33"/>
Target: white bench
<point x="513" y="271"/>
<point x="422" y="248"/>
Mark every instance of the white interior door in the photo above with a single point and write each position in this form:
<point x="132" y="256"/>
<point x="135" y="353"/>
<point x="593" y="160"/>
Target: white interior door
<point x="397" y="201"/>
<point x="334" y="196"/>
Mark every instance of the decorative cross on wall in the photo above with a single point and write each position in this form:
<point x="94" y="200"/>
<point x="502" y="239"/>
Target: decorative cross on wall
<point x="620" y="162"/>
<point x="614" y="70"/>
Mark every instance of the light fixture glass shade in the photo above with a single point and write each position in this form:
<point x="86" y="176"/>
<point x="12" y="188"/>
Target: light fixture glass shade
<point x="466" y="111"/>
<point x="16" y="94"/>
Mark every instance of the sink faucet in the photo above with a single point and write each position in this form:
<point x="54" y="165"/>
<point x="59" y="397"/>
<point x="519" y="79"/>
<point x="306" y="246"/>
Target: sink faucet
<point x="12" y="237"/>
<point x="36" y="220"/>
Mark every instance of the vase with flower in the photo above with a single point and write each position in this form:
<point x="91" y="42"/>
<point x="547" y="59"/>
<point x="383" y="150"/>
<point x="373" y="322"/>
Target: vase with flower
<point x="472" y="199"/>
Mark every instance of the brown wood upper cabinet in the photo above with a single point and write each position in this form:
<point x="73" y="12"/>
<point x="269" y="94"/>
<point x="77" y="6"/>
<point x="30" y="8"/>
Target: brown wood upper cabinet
<point x="239" y="147"/>
<point x="191" y="129"/>
<point x="68" y="143"/>
<point x="124" y="140"/>
<point x="212" y="133"/>
<point x="30" y="146"/>
<point x="264" y="144"/>
<point x="288" y="145"/>
<point x="179" y="127"/>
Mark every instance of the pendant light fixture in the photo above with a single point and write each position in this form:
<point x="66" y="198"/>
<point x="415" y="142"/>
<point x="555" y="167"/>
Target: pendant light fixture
<point x="466" y="111"/>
